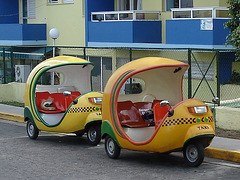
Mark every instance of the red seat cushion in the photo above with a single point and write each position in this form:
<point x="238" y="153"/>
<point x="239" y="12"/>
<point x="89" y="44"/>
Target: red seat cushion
<point x="60" y="101"/>
<point x="129" y="116"/>
<point x="40" y="96"/>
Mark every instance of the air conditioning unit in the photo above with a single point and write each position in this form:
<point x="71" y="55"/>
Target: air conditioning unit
<point x="21" y="73"/>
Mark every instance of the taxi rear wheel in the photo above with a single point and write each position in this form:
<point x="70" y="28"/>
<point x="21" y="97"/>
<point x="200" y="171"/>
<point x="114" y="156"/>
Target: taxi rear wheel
<point x="32" y="130"/>
<point x="193" y="154"/>
<point x="94" y="135"/>
<point x="111" y="147"/>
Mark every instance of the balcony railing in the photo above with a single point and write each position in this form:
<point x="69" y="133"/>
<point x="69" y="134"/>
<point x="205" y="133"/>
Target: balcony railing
<point x="135" y="15"/>
<point x="200" y="13"/>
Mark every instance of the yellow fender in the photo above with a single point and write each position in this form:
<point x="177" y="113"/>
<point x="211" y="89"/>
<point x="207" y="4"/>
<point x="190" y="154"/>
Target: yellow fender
<point x="93" y="118"/>
<point x="199" y="131"/>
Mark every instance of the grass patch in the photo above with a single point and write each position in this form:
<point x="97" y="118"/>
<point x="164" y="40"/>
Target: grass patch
<point x="12" y="103"/>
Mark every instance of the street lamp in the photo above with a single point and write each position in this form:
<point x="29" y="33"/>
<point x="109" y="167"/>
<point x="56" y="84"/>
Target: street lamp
<point x="54" y="34"/>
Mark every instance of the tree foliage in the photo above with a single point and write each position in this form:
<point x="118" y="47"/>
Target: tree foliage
<point x="234" y="25"/>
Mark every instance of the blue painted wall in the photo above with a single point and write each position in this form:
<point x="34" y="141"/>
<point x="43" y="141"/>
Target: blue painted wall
<point x="147" y="31"/>
<point x="95" y="6"/>
<point x="189" y="32"/>
<point x="225" y="64"/>
<point x="10" y="32"/>
<point x="125" y="31"/>
<point x="22" y="32"/>
<point x="220" y="33"/>
<point x="110" y="31"/>
<point x="9" y="12"/>
<point x="34" y="31"/>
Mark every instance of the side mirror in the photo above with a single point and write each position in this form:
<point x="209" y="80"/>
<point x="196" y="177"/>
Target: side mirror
<point x="215" y="100"/>
<point x="75" y="101"/>
<point x="164" y="103"/>
<point x="67" y="93"/>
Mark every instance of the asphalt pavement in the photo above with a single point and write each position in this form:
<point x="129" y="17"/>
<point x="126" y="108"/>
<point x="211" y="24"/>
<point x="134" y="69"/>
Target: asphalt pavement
<point x="220" y="148"/>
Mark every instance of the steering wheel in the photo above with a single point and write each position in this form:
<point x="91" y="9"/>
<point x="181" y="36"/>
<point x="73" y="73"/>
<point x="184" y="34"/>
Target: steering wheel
<point x="148" y="98"/>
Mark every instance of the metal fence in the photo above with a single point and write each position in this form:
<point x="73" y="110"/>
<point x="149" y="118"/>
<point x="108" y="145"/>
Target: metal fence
<point x="212" y="72"/>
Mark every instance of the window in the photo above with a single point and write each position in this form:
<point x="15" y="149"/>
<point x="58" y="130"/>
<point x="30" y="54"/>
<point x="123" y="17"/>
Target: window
<point x="101" y="72"/>
<point x="28" y="10"/>
<point x="52" y="1"/>
<point x="132" y="86"/>
<point x="124" y="5"/>
<point x="60" y="1"/>
<point x="51" y="78"/>
<point x="178" y="4"/>
<point x="68" y="1"/>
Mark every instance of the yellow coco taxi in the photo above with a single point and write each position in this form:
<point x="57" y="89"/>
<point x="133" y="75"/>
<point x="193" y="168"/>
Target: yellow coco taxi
<point x="152" y="115"/>
<point x="58" y="98"/>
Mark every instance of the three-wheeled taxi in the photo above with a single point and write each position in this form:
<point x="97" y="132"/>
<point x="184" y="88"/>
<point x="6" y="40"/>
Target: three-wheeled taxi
<point x="58" y="98"/>
<point x="143" y="109"/>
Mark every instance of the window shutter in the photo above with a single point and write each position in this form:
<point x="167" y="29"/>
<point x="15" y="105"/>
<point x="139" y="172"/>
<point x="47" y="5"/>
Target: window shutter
<point x="31" y="9"/>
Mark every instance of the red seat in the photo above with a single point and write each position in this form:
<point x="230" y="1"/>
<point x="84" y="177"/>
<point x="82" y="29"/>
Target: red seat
<point x="159" y="113"/>
<point x="129" y="116"/>
<point x="40" y="96"/>
<point x="60" y="101"/>
<point x="155" y="101"/>
<point x="144" y="107"/>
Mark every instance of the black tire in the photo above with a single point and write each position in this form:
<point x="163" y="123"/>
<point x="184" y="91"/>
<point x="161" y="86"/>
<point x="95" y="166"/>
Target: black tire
<point x="32" y="130"/>
<point x="79" y="134"/>
<point x="111" y="147"/>
<point x="193" y="154"/>
<point x="94" y="135"/>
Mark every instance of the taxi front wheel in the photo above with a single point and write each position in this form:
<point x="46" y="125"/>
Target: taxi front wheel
<point x="193" y="154"/>
<point x="111" y="147"/>
<point x="94" y="135"/>
<point x="32" y="130"/>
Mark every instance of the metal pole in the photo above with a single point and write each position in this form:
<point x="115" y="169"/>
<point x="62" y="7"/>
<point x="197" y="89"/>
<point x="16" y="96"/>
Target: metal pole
<point x="130" y="55"/>
<point x="52" y="74"/>
<point x="4" y="67"/>
<point x="101" y="85"/>
<point x="12" y="66"/>
<point x="218" y="78"/>
<point x="189" y="74"/>
<point x="53" y="47"/>
<point x="84" y="53"/>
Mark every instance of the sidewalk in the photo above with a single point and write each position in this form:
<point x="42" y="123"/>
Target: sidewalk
<point x="221" y="148"/>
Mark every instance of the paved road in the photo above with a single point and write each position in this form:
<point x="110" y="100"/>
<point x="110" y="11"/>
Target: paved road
<point x="61" y="156"/>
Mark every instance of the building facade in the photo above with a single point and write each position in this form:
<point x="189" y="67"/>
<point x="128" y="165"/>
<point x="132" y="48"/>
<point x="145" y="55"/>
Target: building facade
<point x="149" y="27"/>
<point x="113" y="22"/>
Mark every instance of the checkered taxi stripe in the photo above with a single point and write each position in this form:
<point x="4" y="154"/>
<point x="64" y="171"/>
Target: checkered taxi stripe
<point x="180" y="121"/>
<point x="83" y="109"/>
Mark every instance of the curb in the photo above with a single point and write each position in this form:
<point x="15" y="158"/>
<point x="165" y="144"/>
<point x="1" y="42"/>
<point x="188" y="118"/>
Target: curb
<point x="224" y="154"/>
<point x="12" y="117"/>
